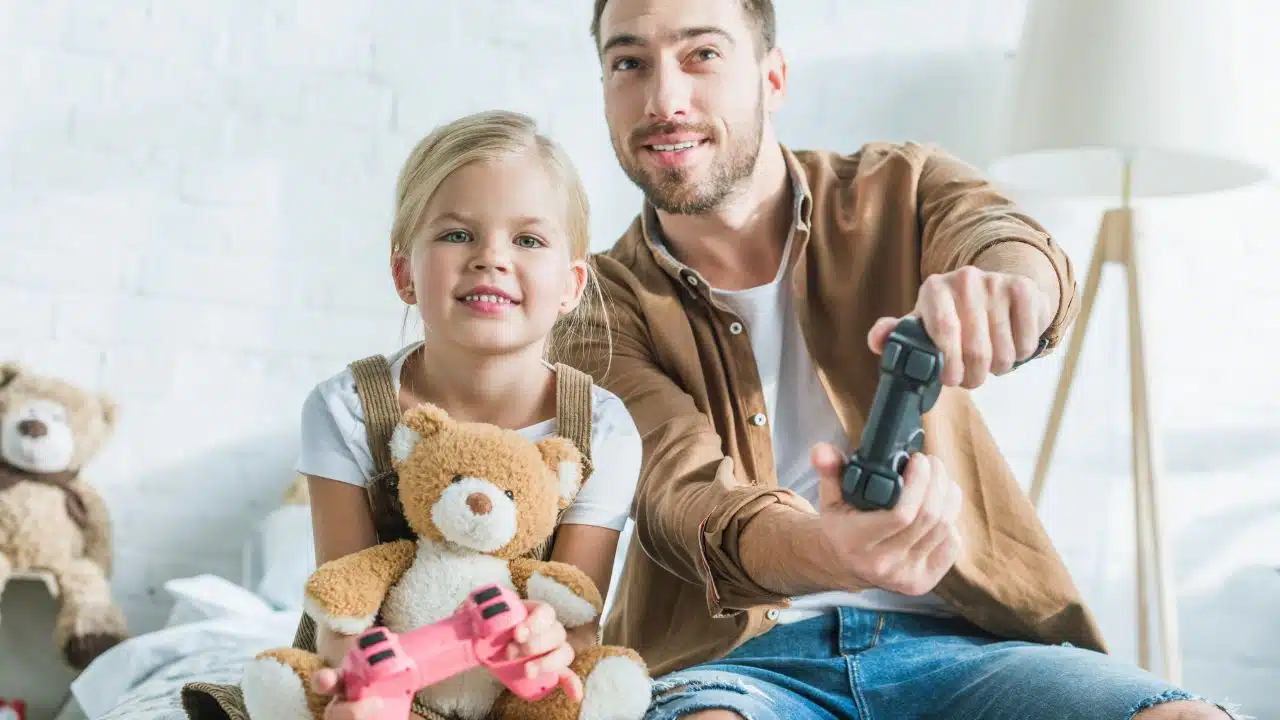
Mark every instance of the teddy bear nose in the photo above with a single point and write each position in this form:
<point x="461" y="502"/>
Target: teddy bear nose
<point x="33" y="428"/>
<point x="479" y="503"/>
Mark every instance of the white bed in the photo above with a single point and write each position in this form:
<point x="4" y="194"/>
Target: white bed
<point x="216" y="625"/>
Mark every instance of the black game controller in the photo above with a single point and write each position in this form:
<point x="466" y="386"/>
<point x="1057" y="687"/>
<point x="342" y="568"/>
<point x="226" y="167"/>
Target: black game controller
<point x="910" y="380"/>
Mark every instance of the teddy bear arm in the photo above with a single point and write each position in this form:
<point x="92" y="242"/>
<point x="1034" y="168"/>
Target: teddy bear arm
<point x="346" y="593"/>
<point x="567" y="589"/>
<point x="96" y="525"/>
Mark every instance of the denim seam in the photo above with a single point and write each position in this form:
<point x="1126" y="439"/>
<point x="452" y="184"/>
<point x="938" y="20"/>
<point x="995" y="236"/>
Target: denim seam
<point x="1176" y="695"/>
<point x="875" y="637"/>
<point x="855" y="687"/>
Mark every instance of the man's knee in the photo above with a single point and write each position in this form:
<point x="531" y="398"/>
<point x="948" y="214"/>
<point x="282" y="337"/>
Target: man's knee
<point x="1182" y="710"/>
<point x="713" y="715"/>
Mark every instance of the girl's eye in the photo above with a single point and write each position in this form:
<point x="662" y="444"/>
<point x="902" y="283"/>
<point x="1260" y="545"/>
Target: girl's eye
<point x="528" y="241"/>
<point x="456" y="236"/>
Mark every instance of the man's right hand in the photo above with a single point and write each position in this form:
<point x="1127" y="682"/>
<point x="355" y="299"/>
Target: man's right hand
<point x="907" y="549"/>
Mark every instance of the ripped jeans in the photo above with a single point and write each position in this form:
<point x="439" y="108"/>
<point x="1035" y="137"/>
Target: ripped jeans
<point x="855" y="664"/>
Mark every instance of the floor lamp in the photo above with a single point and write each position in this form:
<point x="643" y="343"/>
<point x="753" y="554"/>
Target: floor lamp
<point x="1125" y="99"/>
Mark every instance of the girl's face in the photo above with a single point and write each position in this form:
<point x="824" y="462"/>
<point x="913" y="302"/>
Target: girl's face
<point x="491" y="268"/>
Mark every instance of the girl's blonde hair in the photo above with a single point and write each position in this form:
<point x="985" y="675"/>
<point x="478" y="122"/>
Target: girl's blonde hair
<point x="485" y="137"/>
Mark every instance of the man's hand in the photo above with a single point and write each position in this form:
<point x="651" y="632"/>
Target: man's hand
<point x="983" y="322"/>
<point x="907" y="549"/>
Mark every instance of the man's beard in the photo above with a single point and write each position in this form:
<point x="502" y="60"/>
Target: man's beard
<point x="673" y="191"/>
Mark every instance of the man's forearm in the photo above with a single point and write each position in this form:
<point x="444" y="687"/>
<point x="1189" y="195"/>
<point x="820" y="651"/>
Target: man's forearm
<point x="786" y="551"/>
<point x="1020" y="258"/>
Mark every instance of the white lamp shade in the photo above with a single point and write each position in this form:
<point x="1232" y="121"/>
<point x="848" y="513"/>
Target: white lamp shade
<point x="1152" y="80"/>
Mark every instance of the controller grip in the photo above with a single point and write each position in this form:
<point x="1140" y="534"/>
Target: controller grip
<point x="512" y="674"/>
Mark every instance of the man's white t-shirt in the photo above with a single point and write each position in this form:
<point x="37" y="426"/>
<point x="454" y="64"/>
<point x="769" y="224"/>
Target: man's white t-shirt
<point x="800" y="414"/>
<point x="334" y="445"/>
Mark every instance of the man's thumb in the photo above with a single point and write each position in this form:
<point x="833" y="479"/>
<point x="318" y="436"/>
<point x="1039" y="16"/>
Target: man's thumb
<point x="829" y="464"/>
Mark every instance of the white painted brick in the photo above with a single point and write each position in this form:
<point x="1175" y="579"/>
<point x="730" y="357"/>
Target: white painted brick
<point x="26" y="314"/>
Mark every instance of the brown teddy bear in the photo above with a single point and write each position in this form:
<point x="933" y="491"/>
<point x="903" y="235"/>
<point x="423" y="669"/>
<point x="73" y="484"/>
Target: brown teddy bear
<point x="50" y="519"/>
<point x="479" y="499"/>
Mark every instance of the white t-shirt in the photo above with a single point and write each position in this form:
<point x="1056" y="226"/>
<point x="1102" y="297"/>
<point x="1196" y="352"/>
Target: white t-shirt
<point x="800" y="414"/>
<point x="334" y="445"/>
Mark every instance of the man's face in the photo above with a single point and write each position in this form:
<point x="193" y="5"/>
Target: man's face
<point x="687" y="97"/>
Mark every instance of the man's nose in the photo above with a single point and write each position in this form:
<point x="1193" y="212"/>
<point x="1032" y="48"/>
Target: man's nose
<point x="669" y="91"/>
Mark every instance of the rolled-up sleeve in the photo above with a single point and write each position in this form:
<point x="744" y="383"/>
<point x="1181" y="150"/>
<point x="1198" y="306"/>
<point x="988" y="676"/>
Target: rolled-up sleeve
<point x="962" y="215"/>
<point x="689" y="508"/>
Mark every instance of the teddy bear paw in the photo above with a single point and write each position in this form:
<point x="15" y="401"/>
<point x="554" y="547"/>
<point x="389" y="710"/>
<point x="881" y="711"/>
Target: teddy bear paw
<point x="617" y="688"/>
<point x="571" y="608"/>
<point x="80" y="650"/>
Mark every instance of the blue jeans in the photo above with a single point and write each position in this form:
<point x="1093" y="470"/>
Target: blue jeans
<point x="855" y="664"/>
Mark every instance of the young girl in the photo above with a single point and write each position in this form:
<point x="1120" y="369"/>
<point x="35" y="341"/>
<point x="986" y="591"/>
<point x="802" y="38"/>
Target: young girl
<point x="490" y="244"/>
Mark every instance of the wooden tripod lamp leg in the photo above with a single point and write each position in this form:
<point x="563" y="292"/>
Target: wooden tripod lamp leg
<point x="1151" y="545"/>
<point x="1102" y="252"/>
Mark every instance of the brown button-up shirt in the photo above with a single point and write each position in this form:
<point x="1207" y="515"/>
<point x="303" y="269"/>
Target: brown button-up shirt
<point x="868" y="228"/>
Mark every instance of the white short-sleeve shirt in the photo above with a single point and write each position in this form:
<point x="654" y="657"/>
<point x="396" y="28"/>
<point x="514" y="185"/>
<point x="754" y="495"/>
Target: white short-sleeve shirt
<point x="334" y="445"/>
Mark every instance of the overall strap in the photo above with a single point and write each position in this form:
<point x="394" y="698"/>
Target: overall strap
<point x="574" y="410"/>
<point x="377" y="393"/>
<point x="573" y="422"/>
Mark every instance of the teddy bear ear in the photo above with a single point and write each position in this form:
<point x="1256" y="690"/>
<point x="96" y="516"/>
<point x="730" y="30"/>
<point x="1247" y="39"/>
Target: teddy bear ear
<point x="9" y="371"/>
<point x="110" y="409"/>
<point x="422" y="421"/>
<point x="563" y="458"/>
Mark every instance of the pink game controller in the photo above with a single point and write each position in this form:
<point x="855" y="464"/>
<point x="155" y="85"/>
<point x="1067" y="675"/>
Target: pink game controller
<point x="395" y="667"/>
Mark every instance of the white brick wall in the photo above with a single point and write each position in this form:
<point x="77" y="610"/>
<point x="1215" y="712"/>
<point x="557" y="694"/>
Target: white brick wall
<point x="194" y="199"/>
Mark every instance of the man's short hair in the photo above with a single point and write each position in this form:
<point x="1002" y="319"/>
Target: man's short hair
<point x="759" y="13"/>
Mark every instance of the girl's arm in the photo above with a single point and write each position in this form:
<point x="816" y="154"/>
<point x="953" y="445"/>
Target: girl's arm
<point x="591" y="549"/>
<point x="341" y="525"/>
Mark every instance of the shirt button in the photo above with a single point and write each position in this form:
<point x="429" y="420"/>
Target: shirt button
<point x="771" y="613"/>
<point x="757" y="419"/>
<point x="735" y="328"/>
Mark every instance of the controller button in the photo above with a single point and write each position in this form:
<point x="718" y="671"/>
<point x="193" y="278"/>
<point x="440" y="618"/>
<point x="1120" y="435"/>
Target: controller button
<point x="486" y="595"/>
<point x="378" y="657"/>
<point x="879" y="490"/>
<point x="371" y="639"/>
<point x="920" y="366"/>
<point x="889" y="362"/>
<point x="915" y="443"/>
<point x="494" y="609"/>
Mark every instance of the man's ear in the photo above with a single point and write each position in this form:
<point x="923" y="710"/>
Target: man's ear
<point x="562" y="457"/>
<point x="9" y="371"/>
<point x="422" y="421"/>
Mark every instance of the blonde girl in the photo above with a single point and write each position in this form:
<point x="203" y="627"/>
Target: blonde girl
<point x="490" y="245"/>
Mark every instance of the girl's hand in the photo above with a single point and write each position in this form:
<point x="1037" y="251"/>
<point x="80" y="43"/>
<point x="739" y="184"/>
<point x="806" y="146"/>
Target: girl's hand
<point x="543" y="636"/>
<point x="329" y="682"/>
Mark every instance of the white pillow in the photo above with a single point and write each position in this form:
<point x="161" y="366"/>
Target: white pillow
<point x="280" y="556"/>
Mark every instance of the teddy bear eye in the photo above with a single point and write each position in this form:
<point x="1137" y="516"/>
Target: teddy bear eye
<point x="509" y="494"/>
<point x="457" y="478"/>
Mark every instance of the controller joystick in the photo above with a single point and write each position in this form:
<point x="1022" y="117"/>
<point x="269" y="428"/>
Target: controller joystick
<point x="910" y="381"/>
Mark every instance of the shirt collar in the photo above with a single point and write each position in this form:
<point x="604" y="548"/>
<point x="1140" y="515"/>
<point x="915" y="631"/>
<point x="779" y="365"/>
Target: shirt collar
<point x="651" y="227"/>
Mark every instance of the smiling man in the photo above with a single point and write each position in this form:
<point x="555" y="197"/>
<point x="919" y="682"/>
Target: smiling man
<point x="749" y="301"/>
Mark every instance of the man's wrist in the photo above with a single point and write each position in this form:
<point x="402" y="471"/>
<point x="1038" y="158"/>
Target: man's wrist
<point x="786" y="551"/>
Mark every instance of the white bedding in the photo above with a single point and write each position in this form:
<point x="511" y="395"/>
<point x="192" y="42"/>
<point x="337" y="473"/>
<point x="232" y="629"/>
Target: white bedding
<point x="215" y="626"/>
